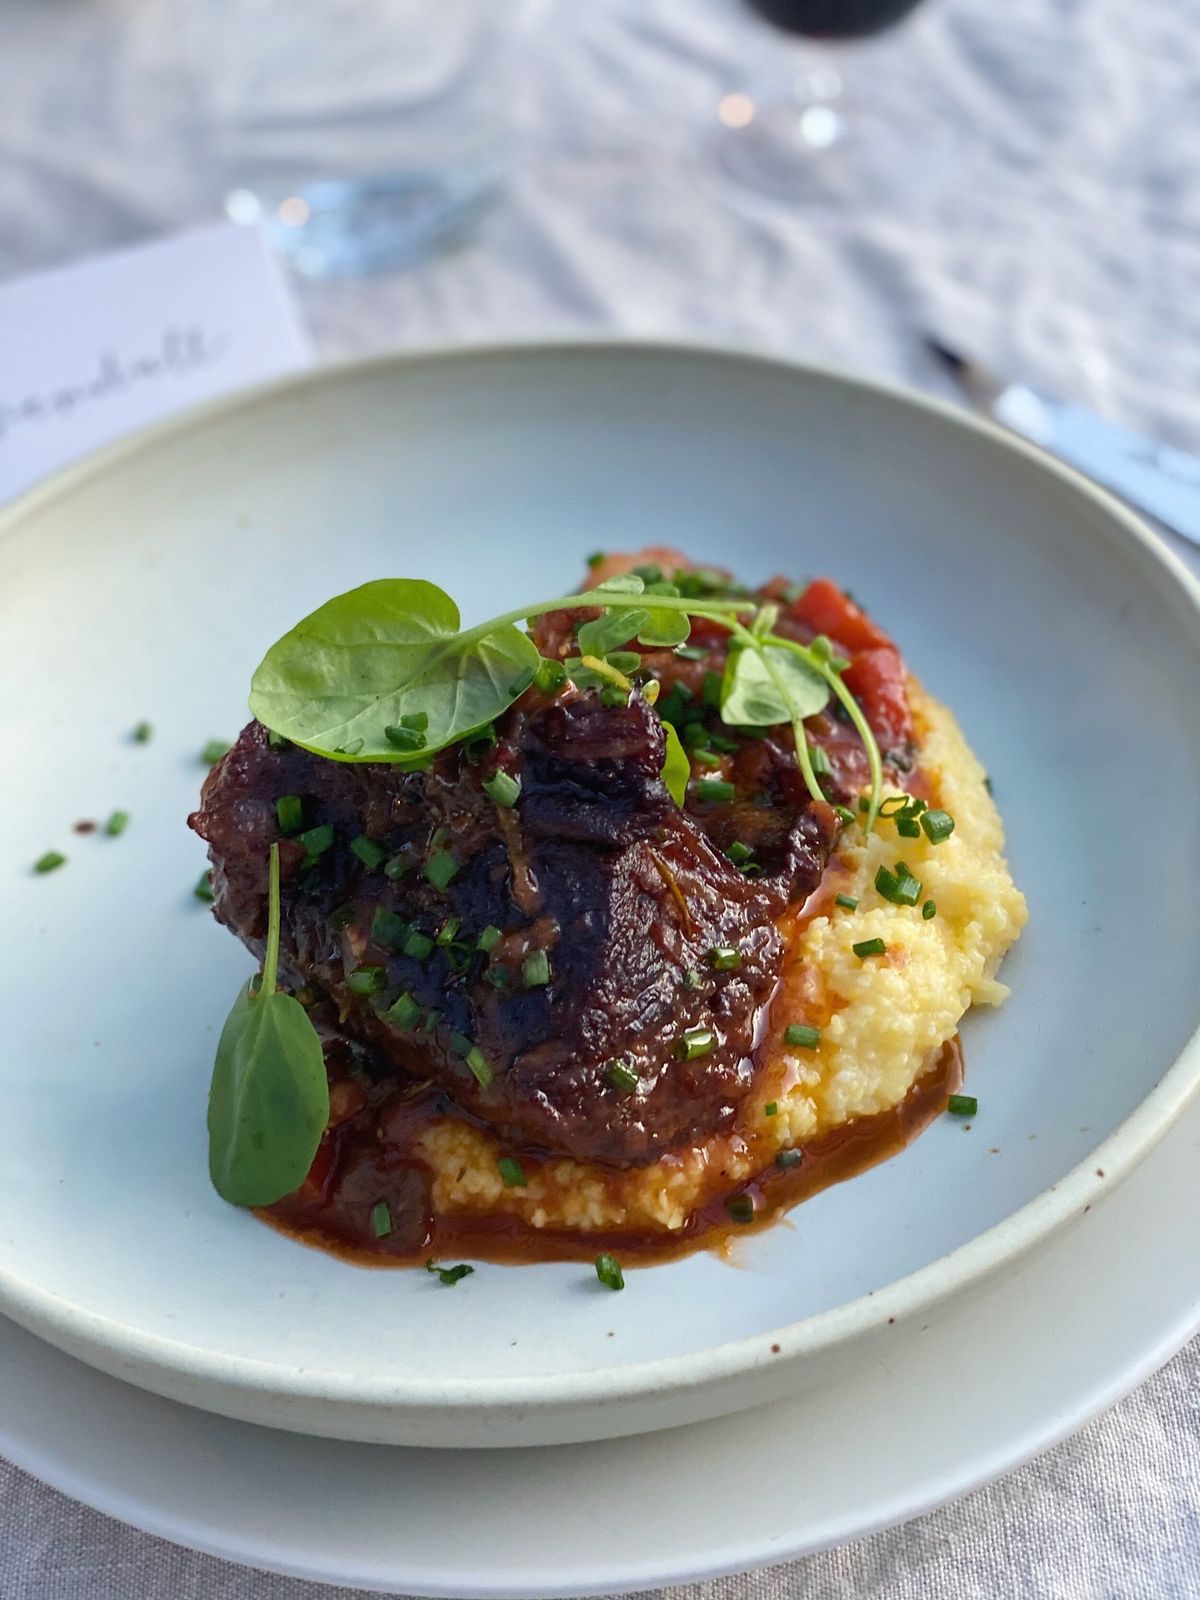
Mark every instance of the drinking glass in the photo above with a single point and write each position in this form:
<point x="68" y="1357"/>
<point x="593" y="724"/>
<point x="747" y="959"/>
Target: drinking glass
<point x="796" y="132"/>
<point x="357" y="134"/>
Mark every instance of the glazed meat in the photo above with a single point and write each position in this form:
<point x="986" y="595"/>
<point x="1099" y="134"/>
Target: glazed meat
<point x="583" y="970"/>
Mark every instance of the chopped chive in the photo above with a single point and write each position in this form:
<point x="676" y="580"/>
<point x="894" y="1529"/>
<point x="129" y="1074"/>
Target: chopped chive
<point x="449" y="1276"/>
<point x="402" y="738"/>
<point x="448" y="929"/>
<point x="432" y="1017"/>
<point x="214" y="750"/>
<point x="608" y="1270"/>
<point x="695" y="735"/>
<point x="938" y="825"/>
<point x="819" y="761"/>
<point x="987" y="782"/>
<point x="720" y="741"/>
<point x="316" y="841"/>
<point x="381" y="1219"/>
<point x="710" y="691"/>
<point x="739" y="853"/>
<point x="962" y="1105"/>
<point x="498" y="977"/>
<point x="478" y="745"/>
<point x="289" y="813"/>
<point x="898" y="890"/>
<point x="869" y="947"/>
<point x="846" y="901"/>
<point x="706" y="758"/>
<point x="475" y="1059"/>
<point x="418" y="945"/>
<point x="350" y="749"/>
<point x="802" y="1036"/>
<point x="725" y="957"/>
<point x="789" y="1158"/>
<point x="366" y="980"/>
<point x="51" y="861"/>
<point x="116" y="824"/>
<point x="489" y="938"/>
<point x="459" y="956"/>
<point x="480" y="1066"/>
<point x="891" y="807"/>
<point x="845" y="813"/>
<point x="550" y="676"/>
<point x="415" y="719"/>
<point x="693" y="1043"/>
<point x="693" y="978"/>
<point x="771" y="1109"/>
<point x="143" y="733"/>
<point x="441" y="869"/>
<point x="740" y="1207"/>
<point x="535" y="969"/>
<point x="929" y="910"/>
<point x="503" y="788"/>
<point x="914" y="807"/>
<point x="715" y="790"/>
<point x="399" y="865"/>
<point x="622" y="1076"/>
<point x="276" y="740"/>
<point x="405" y="1011"/>
<point x="388" y="928"/>
<point x="369" y="851"/>
<point x="512" y="1173"/>
<point x="690" y="652"/>
<point x="202" y="891"/>
<point x="908" y="827"/>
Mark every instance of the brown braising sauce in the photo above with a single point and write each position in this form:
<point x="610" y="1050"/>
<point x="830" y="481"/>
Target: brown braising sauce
<point x="333" y="1209"/>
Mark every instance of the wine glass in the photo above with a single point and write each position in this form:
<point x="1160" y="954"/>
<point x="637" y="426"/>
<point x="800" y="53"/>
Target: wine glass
<point x="795" y="133"/>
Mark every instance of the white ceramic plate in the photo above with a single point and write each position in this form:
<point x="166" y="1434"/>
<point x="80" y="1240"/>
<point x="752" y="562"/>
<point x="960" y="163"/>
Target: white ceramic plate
<point x="946" y="1410"/>
<point x="147" y="584"/>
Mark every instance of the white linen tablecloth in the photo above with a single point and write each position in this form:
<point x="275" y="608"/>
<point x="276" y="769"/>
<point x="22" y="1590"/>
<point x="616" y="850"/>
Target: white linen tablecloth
<point x="1042" y="206"/>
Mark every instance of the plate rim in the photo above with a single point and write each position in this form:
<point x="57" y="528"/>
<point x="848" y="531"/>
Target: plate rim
<point x="1031" y="1225"/>
<point x="943" y="1489"/>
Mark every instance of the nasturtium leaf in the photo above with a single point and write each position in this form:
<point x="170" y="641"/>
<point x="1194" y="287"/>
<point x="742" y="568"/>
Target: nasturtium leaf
<point x="665" y="629"/>
<point x="765" y="685"/>
<point x="366" y="659"/>
<point x="610" y="631"/>
<point x="677" y="769"/>
<point x="269" y="1100"/>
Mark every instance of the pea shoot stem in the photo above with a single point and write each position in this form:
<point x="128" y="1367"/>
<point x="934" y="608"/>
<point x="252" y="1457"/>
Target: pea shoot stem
<point x="271" y="959"/>
<point x="725" y="613"/>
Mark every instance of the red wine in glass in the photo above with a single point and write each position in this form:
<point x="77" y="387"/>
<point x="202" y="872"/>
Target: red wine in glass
<point x="834" y="19"/>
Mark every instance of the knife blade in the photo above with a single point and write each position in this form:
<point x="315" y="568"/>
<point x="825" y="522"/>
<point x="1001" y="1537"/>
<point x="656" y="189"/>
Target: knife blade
<point x="1156" y="478"/>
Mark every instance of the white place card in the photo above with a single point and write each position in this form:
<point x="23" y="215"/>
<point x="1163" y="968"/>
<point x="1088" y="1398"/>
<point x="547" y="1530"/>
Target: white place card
<point x="93" y="350"/>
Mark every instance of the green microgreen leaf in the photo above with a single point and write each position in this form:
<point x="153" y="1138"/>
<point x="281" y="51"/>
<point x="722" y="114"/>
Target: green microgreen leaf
<point x="269" y="1100"/>
<point x="386" y="650"/>
<point x="763" y="687"/>
<point x="609" y="631"/>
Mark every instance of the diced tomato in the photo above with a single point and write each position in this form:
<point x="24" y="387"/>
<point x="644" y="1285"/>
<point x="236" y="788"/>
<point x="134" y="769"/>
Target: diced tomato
<point x="876" y="679"/>
<point x="312" y="1190"/>
<point x="825" y="609"/>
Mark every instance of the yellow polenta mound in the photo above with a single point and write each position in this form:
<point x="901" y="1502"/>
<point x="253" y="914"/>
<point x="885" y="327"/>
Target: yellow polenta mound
<point x="883" y="1020"/>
